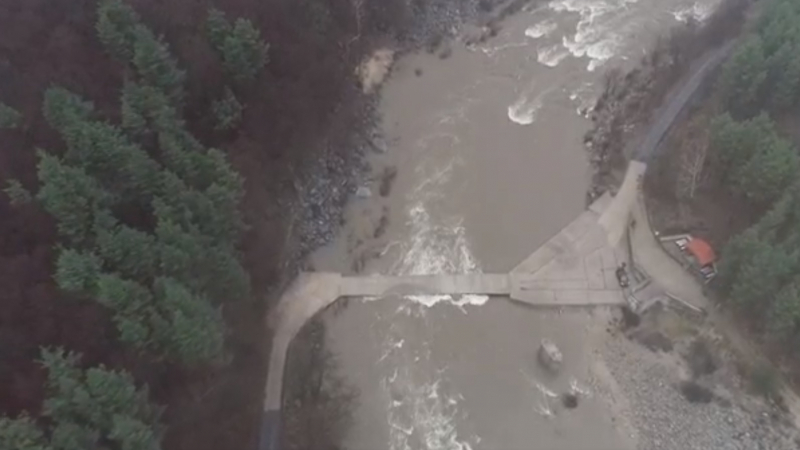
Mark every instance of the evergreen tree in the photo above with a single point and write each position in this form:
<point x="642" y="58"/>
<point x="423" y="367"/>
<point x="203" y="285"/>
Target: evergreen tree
<point x="145" y="108"/>
<point x="742" y="77"/>
<point x="132" y="304"/>
<point x="86" y="409"/>
<point x="738" y="251"/>
<point x="161" y="282"/>
<point x="71" y="196"/>
<point x="101" y="148"/>
<point x="768" y="172"/>
<point x="753" y="157"/>
<point x="770" y="226"/>
<point x="217" y="27"/>
<point x="77" y="271"/>
<point x="196" y="331"/>
<point x="227" y="110"/>
<point x="65" y="110"/>
<point x="22" y="433"/>
<point x="783" y="319"/>
<point x="735" y="143"/>
<point x="100" y="400"/>
<point x="778" y="25"/>
<point x="198" y="262"/>
<point x="240" y="45"/>
<point x="212" y="213"/>
<point x="129" y="251"/>
<point x="16" y="193"/>
<point x="784" y="77"/>
<point x="71" y="436"/>
<point x="761" y="277"/>
<point x="9" y="117"/>
<point x="116" y="25"/>
<point x="155" y="65"/>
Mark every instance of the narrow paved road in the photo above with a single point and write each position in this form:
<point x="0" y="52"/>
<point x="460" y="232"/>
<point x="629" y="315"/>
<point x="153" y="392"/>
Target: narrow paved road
<point x="678" y="99"/>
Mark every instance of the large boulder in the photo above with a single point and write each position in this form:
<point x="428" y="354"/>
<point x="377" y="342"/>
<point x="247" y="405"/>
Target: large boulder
<point x="550" y="356"/>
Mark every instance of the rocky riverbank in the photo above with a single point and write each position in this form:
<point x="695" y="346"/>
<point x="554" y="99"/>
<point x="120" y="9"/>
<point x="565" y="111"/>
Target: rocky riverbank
<point x="686" y="391"/>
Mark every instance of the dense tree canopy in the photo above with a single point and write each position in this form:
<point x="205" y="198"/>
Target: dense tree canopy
<point x="756" y="161"/>
<point x="149" y="224"/>
<point x="164" y="270"/>
<point x="759" y="268"/>
<point x="764" y="71"/>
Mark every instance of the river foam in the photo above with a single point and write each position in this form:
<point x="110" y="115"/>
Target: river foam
<point x="698" y="11"/>
<point x="423" y="411"/>
<point x="600" y="29"/>
<point x="541" y="29"/>
<point x="551" y="56"/>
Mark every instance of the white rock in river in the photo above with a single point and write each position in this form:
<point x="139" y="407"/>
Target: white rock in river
<point x="363" y="192"/>
<point x="550" y="356"/>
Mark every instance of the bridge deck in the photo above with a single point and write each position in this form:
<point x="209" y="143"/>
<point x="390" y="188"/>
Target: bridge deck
<point x="377" y="285"/>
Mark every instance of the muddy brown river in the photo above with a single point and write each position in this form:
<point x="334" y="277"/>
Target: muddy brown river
<point x="488" y="150"/>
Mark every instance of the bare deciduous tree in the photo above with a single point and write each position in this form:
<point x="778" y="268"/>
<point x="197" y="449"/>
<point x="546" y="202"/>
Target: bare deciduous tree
<point x="692" y="159"/>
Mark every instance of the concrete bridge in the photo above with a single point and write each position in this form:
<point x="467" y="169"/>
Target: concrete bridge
<point x="575" y="268"/>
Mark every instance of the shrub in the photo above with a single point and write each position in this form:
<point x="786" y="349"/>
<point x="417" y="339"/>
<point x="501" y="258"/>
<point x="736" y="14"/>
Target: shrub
<point x="764" y="381"/>
<point x="227" y="110"/>
<point x="9" y="117"/>
<point x="240" y="46"/>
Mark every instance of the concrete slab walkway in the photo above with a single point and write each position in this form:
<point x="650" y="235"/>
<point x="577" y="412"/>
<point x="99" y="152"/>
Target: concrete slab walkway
<point x="575" y="268"/>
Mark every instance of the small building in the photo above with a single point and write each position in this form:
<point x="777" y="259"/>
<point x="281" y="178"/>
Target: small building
<point x="698" y="255"/>
<point x="704" y="257"/>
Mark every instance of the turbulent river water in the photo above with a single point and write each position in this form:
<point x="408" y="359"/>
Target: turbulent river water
<point x="488" y="150"/>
